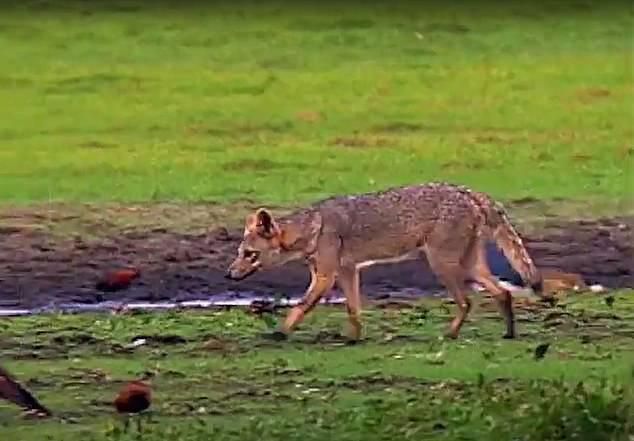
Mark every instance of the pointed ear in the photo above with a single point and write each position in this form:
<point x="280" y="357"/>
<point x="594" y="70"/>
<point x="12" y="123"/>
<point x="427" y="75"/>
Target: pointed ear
<point x="261" y="222"/>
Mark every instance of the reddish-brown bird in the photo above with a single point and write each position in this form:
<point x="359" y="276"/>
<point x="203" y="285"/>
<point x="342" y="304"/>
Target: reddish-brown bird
<point x="134" y="397"/>
<point x="14" y="392"/>
<point x="118" y="280"/>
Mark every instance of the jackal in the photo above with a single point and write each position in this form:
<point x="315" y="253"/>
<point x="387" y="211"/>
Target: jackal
<point x="339" y="236"/>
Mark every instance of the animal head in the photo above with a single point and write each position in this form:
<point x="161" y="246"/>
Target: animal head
<point x="266" y="243"/>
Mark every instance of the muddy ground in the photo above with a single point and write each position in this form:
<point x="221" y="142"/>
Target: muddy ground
<point x="39" y="268"/>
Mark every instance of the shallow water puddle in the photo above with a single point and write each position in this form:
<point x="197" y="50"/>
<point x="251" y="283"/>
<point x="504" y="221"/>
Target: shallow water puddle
<point x="108" y="306"/>
<point x="229" y="299"/>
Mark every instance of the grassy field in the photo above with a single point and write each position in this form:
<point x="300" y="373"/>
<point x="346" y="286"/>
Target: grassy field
<point x="218" y="378"/>
<point x="282" y="102"/>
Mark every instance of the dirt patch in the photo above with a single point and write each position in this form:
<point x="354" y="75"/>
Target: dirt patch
<point x="589" y="95"/>
<point x="309" y="116"/>
<point x="39" y="268"/>
<point x="358" y="141"/>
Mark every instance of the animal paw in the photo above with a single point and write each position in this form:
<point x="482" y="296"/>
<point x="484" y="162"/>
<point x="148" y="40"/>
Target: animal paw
<point x="276" y="336"/>
<point x="451" y="335"/>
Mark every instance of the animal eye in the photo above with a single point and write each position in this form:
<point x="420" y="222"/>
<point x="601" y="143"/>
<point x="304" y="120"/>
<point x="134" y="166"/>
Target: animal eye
<point x="252" y="255"/>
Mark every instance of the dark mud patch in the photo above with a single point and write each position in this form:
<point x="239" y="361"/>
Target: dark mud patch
<point x="160" y="340"/>
<point x="377" y="382"/>
<point x="66" y="340"/>
<point x="40" y="269"/>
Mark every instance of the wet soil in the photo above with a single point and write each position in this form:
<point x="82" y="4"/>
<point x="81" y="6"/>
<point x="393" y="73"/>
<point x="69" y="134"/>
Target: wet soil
<point x="38" y="268"/>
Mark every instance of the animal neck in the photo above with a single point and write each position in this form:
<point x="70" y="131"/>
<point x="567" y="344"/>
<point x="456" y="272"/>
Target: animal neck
<point x="294" y="234"/>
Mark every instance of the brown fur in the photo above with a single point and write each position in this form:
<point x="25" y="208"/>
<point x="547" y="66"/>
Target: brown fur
<point x="556" y="281"/>
<point x="339" y="236"/>
<point x="508" y="240"/>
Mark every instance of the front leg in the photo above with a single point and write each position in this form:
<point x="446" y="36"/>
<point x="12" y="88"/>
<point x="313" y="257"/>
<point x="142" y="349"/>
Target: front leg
<point x="320" y="283"/>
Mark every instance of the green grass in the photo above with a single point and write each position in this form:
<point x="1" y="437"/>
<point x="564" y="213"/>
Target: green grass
<point x="400" y="382"/>
<point x="284" y="102"/>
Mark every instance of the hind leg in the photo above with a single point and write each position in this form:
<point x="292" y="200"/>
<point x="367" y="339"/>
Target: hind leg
<point x="455" y="287"/>
<point x="446" y="265"/>
<point x="349" y="283"/>
<point x="447" y="246"/>
<point x="478" y="268"/>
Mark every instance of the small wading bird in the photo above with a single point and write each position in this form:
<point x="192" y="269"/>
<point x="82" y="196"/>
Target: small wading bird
<point x="12" y="391"/>
<point x="134" y="398"/>
<point x="118" y="280"/>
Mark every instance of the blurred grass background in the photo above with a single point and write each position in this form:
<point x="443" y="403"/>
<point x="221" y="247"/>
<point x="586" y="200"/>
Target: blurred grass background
<point x="280" y="102"/>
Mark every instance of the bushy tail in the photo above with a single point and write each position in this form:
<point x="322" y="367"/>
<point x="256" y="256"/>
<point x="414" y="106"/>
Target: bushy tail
<point x="507" y="239"/>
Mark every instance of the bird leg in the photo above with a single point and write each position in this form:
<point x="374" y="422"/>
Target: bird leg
<point x="126" y="423"/>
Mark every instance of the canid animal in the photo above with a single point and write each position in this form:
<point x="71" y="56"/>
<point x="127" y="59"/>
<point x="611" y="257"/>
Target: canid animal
<point x="339" y="236"/>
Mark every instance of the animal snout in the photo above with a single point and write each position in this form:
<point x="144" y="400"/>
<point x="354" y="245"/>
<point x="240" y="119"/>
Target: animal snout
<point x="232" y="274"/>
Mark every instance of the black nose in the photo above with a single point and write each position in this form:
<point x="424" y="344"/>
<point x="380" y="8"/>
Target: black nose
<point x="228" y="275"/>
